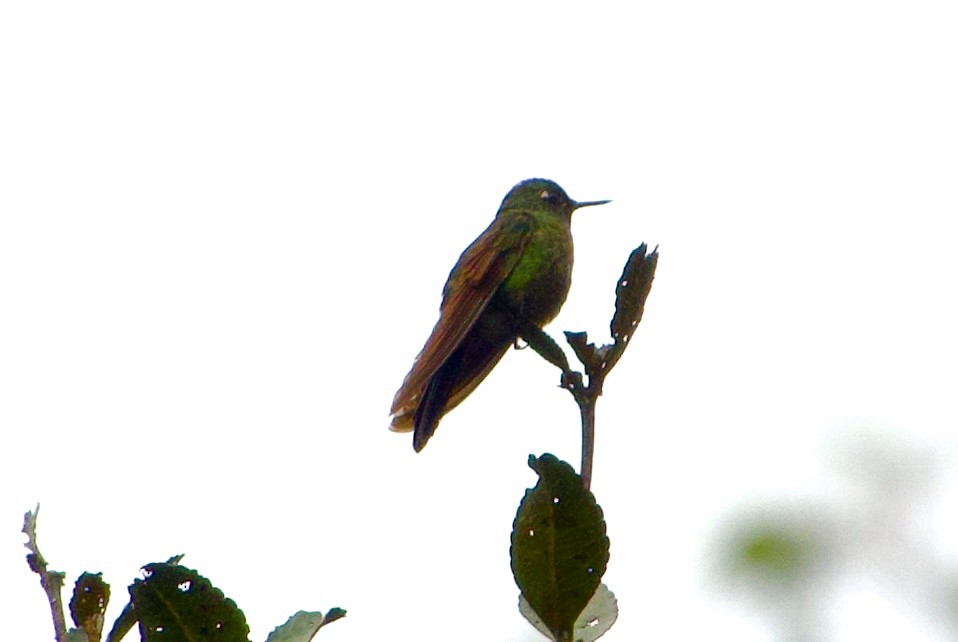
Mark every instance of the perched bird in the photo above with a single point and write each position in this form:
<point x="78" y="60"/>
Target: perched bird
<point x="517" y="272"/>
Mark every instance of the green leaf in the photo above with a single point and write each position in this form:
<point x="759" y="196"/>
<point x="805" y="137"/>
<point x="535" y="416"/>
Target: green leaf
<point x="559" y="546"/>
<point x="598" y="616"/>
<point x="176" y="604"/>
<point x="528" y="613"/>
<point x="91" y="595"/>
<point x="303" y="625"/>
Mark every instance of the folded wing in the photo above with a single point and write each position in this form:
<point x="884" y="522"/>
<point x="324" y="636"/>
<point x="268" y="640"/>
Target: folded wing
<point x="471" y="285"/>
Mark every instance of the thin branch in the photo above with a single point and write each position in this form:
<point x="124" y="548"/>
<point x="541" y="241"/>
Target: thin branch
<point x="51" y="581"/>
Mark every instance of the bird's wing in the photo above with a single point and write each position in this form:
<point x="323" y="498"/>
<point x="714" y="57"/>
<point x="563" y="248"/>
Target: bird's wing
<point x="472" y="283"/>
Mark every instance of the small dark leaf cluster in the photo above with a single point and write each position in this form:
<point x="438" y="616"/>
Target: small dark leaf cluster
<point x="171" y="603"/>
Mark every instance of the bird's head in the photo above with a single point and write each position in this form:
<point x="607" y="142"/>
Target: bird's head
<point x="538" y="193"/>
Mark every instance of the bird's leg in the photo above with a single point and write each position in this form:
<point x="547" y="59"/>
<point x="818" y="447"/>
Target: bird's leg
<point x="548" y="349"/>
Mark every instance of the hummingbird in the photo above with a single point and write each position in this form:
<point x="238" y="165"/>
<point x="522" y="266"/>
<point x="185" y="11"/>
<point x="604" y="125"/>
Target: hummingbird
<point x="517" y="272"/>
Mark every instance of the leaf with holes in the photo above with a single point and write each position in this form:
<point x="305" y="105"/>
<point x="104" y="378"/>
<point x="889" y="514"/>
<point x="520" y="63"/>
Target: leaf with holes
<point x="559" y="546"/>
<point x="631" y="292"/>
<point x="88" y="604"/>
<point x="176" y="604"/>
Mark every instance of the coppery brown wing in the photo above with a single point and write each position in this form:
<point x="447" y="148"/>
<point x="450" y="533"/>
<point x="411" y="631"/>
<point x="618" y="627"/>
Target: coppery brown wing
<point x="472" y="283"/>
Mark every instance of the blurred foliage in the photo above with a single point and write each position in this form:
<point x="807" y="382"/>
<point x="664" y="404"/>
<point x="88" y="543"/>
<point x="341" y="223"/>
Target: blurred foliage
<point x="794" y="557"/>
<point x="777" y="549"/>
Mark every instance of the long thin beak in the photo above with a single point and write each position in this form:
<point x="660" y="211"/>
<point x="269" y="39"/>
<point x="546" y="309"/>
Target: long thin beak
<point x="589" y="204"/>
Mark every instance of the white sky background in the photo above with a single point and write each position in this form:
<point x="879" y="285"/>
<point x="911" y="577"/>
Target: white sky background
<point x="225" y="229"/>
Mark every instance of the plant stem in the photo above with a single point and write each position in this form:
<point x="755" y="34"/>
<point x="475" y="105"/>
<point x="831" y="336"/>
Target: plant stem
<point x="631" y="291"/>
<point x="585" y="396"/>
<point x="587" y="411"/>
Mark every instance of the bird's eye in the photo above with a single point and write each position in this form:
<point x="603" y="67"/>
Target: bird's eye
<point x="546" y="195"/>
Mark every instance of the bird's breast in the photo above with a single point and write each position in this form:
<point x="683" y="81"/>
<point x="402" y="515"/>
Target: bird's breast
<point x="539" y="284"/>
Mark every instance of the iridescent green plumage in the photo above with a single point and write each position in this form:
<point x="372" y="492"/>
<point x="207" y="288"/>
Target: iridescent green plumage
<point x="517" y="272"/>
